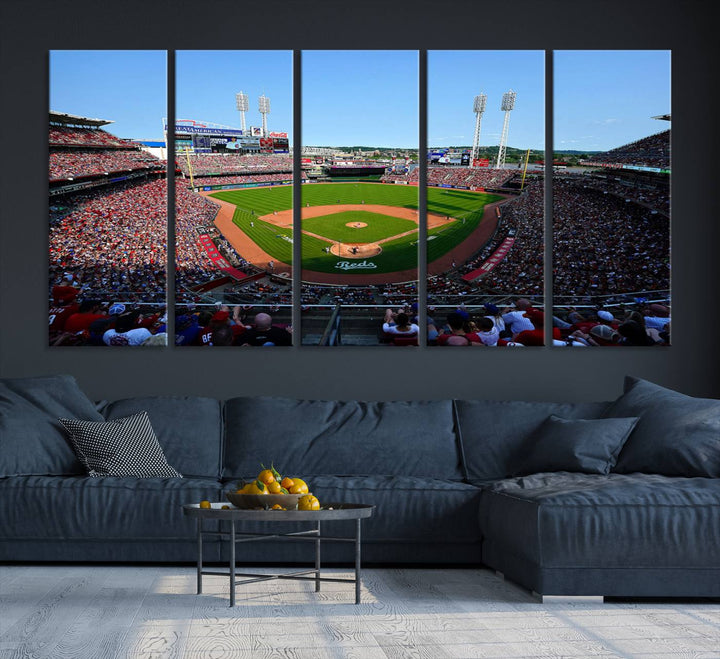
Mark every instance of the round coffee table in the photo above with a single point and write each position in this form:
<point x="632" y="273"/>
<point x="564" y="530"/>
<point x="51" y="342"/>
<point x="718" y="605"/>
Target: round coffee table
<point x="330" y="512"/>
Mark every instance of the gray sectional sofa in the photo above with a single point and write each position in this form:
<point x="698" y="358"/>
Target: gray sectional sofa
<point x="616" y="498"/>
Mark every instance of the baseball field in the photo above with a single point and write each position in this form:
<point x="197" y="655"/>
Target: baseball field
<point x="369" y="222"/>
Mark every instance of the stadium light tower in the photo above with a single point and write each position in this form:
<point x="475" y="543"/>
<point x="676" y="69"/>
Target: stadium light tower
<point x="478" y="108"/>
<point x="508" y="103"/>
<point x="264" y="107"/>
<point x="241" y="101"/>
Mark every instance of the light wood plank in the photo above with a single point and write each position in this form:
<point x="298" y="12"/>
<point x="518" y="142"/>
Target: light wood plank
<point x="38" y="633"/>
<point x="96" y="612"/>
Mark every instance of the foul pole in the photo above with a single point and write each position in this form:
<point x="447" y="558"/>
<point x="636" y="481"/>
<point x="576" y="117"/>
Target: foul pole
<point x="527" y="158"/>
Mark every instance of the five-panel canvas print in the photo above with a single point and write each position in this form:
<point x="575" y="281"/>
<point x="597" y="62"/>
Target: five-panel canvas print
<point x="475" y="233"/>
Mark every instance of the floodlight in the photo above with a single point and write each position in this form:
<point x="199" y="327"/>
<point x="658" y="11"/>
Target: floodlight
<point x="264" y="107"/>
<point x="241" y="101"/>
<point x="508" y="103"/>
<point x="478" y="108"/>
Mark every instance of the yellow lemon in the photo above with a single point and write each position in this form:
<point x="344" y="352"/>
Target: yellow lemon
<point x="299" y="487"/>
<point x="257" y="487"/>
<point x="308" y="502"/>
<point x="274" y="487"/>
<point x="266" y="476"/>
<point x="205" y="504"/>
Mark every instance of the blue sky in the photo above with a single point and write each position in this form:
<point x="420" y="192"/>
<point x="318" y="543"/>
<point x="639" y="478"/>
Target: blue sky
<point x="604" y="99"/>
<point x="456" y="77"/>
<point x="360" y="97"/>
<point x="126" y="86"/>
<point x="206" y="83"/>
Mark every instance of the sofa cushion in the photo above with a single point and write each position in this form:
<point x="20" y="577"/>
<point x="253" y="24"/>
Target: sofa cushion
<point x="32" y="440"/>
<point x="189" y="429"/>
<point x="568" y="520"/>
<point x="493" y="433"/>
<point x="121" y="447"/>
<point x="590" y="446"/>
<point x="101" y="509"/>
<point x="408" y="509"/>
<point x="312" y="437"/>
<point x="677" y="435"/>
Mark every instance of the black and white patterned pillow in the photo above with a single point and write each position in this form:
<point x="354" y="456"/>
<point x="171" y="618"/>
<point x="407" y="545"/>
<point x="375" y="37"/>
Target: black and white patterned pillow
<point x="121" y="447"/>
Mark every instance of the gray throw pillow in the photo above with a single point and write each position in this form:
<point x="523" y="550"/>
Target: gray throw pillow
<point x="589" y="446"/>
<point x="121" y="447"/>
<point x="677" y="435"/>
<point x="32" y="441"/>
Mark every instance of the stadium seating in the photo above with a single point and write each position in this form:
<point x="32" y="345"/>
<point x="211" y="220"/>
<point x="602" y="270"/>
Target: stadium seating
<point x="221" y="163"/>
<point x="74" y="164"/>
<point x="65" y="135"/>
<point x="468" y="177"/>
<point x="652" y="151"/>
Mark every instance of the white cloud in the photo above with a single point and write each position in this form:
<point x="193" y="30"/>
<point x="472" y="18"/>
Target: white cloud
<point x="607" y="122"/>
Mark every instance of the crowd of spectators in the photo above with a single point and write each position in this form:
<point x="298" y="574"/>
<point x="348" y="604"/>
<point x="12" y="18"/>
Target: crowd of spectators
<point x="232" y="163"/>
<point x="194" y="214"/>
<point x="264" y="291"/>
<point x="604" y="245"/>
<point x="655" y="197"/>
<point x="76" y="163"/>
<point x="521" y="324"/>
<point x="380" y="294"/>
<point x="520" y="273"/>
<point x="114" y="241"/>
<point x="652" y="151"/>
<point x="68" y="136"/>
<point x="392" y="176"/>
<point x="469" y="177"/>
<point x="242" y="178"/>
<point x="77" y="318"/>
<point x="223" y="326"/>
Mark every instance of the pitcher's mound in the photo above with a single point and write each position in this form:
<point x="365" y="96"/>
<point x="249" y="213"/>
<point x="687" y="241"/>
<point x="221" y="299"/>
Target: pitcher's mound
<point x="353" y="251"/>
<point x="356" y="225"/>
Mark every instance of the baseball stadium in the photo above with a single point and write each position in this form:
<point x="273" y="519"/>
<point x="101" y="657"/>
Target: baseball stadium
<point x="360" y="239"/>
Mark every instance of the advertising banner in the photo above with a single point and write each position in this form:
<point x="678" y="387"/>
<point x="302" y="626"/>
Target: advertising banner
<point x="199" y="130"/>
<point x="497" y="256"/>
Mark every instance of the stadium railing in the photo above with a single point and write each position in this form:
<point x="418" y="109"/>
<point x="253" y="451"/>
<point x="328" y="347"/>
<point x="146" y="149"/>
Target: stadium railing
<point x="332" y="336"/>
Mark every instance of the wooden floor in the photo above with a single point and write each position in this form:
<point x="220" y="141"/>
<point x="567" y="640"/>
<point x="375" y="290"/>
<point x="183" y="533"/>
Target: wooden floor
<point x="97" y="612"/>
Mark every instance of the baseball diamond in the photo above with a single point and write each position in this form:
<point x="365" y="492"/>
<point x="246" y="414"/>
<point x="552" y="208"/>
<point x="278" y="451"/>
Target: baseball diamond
<point x="374" y="224"/>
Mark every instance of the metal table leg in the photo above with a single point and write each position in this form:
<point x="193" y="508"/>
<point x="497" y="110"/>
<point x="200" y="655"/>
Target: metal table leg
<point x="200" y="556"/>
<point x="232" y="562"/>
<point x="357" y="561"/>
<point x="317" y="560"/>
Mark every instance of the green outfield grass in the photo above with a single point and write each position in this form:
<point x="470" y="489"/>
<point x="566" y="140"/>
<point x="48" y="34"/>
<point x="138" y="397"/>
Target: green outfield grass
<point x="400" y="254"/>
<point x="378" y="226"/>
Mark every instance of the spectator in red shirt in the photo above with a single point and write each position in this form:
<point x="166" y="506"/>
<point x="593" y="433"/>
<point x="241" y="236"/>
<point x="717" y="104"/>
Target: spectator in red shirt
<point x="87" y="314"/>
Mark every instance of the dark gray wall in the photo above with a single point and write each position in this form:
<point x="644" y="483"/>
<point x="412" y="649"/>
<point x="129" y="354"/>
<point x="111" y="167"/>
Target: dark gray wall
<point x="31" y="27"/>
